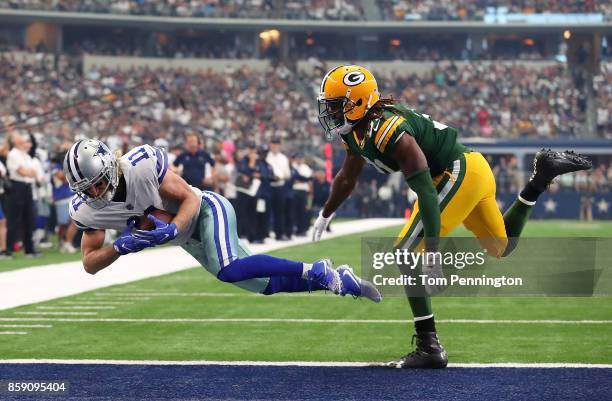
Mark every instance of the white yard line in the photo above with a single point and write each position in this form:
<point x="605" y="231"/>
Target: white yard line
<point x="91" y="307"/>
<point x="96" y="303"/>
<point x="510" y="365"/>
<point x="11" y="333"/>
<point x="25" y="326"/>
<point x="524" y="321"/>
<point x="56" y="313"/>
<point x="43" y="283"/>
<point x="112" y="295"/>
<point x="282" y="321"/>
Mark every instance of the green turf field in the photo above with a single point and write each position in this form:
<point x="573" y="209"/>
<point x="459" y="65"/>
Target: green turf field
<point x="179" y="308"/>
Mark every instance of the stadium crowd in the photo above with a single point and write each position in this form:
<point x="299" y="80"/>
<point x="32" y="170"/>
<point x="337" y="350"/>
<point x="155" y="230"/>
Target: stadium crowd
<point x="310" y="9"/>
<point x="180" y="48"/>
<point x="481" y="99"/>
<point x="498" y="100"/>
<point x="237" y="103"/>
<point x="449" y="10"/>
<point x="314" y="9"/>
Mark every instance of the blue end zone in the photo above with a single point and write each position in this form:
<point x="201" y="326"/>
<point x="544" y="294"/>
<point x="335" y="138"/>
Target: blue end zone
<point x="212" y="382"/>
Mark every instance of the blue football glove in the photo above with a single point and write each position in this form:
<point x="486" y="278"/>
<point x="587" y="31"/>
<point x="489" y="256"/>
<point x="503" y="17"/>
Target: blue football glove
<point x="128" y="243"/>
<point x="162" y="233"/>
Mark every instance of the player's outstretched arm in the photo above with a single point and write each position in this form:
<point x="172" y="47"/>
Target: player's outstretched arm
<point x="175" y="187"/>
<point x="344" y="182"/>
<point x="95" y="255"/>
<point x="342" y="186"/>
<point x="413" y="164"/>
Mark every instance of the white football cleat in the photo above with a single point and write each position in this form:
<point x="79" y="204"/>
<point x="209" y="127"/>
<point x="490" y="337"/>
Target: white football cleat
<point x="356" y="286"/>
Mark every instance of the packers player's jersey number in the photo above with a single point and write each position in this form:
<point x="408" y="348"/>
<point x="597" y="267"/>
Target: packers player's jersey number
<point x="437" y="125"/>
<point x="379" y="166"/>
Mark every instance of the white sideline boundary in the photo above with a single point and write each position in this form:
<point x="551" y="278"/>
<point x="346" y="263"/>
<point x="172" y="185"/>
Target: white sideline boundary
<point x="283" y="320"/>
<point x="43" y="283"/>
<point x="515" y="365"/>
<point x="217" y="294"/>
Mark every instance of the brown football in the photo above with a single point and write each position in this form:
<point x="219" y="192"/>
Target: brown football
<point x="146" y="224"/>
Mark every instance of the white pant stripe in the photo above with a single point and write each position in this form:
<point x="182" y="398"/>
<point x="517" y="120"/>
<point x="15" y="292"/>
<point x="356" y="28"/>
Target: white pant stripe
<point x="222" y="224"/>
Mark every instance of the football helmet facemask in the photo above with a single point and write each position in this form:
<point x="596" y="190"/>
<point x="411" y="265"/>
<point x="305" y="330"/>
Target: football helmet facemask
<point x="86" y="164"/>
<point x="347" y="93"/>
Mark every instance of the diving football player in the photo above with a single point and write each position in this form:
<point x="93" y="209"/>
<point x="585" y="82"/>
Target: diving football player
<point x="118" y="192"/>
<point x="454" y="184"/>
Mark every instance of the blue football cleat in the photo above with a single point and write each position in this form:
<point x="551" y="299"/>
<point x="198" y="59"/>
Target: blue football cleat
<point x="323" y="274"/>
<point x="355" y="286"/>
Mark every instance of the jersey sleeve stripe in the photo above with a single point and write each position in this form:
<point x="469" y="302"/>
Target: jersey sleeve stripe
<point x="386" y="131"/>
<point x="390" y="134"/>
<point x="162" y="165"/>
<point x="382" y="129"/>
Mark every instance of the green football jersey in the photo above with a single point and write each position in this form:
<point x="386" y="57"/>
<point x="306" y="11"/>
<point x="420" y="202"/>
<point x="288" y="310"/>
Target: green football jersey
<point x="437" y="141"/>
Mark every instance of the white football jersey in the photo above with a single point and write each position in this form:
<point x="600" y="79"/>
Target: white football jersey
<point x="144" y="168"/>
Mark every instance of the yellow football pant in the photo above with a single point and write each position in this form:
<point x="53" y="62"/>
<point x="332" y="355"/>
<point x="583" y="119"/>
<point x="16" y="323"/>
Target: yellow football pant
<point x="465" y="195"/>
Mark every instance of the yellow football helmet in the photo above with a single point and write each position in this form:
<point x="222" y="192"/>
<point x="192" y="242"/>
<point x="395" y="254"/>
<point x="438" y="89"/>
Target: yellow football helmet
<point x="347" y="93"/>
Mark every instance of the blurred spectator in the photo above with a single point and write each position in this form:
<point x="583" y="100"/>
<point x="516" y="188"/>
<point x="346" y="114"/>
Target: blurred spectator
<point x="224" y="173"/>
<point x="61" y="201"/>
<point x="279" y="191"/>
<point x="586" y="187"/>
<point x="302" y="177"/>
<point x="42" y="191"/>
<point x="253" y="186"/>
<point x="320" y="190"/>
<point x="3" y="178"/>
<point x="263" y="196"/>
<point x="195" y="164"/>
<point x="20" y="203"/>
<point x="246" y="187"/>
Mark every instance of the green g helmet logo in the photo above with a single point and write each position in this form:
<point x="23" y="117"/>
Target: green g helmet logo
<point x="353" y="78"/>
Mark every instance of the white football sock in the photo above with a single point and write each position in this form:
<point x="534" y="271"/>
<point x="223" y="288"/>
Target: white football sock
<point x="305" y="269"/>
